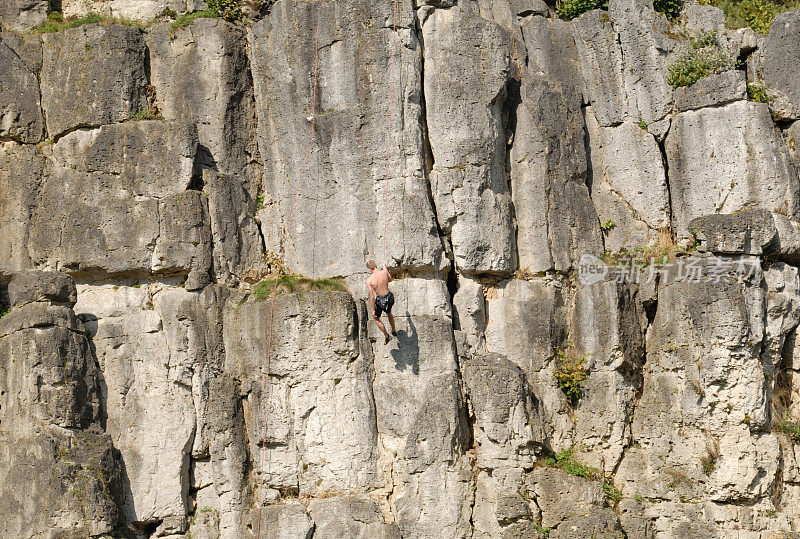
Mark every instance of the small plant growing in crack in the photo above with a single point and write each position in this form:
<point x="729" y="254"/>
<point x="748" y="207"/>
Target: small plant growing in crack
<point x="570" y="373"/>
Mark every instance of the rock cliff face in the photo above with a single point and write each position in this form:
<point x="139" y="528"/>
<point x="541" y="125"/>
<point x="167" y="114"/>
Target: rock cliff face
<point x="146" y="392"/>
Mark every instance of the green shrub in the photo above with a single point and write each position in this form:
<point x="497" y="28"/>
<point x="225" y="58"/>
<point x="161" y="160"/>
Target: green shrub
<point x="4" y="310"/>
<point x="230" y="10"/>
<point x="569" y="9"/>
<point x="757" y="14"/>
<point x="608" y="225"/>
<point x="757" y="91"/>
<point x="670" y="8"/>
<point x="570" y="374"/>
<point x="704" y="57"/>
<point x="290" y="284"/>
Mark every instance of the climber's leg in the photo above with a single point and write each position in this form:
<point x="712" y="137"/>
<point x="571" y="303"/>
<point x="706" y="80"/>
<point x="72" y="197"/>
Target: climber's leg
<point x="391" y="323"/>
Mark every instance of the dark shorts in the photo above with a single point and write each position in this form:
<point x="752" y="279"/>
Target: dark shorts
<point x="383" y="304"/>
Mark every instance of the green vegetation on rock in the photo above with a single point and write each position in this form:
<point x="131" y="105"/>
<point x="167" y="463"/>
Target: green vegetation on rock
<point x="757" y="91"/>
<point x="569" y="9"/>
<point x="290" y="284"/>
<point x="670" y="8"/>
<point x="757" y="14"/>
<point x="570" y="374"/>
<point x="56" y="23"/>
<point x="704" y="57"/>
<point x="565" y="461"/>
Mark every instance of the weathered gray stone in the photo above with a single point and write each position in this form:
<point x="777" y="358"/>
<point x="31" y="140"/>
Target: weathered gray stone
<point x="523" y="8"/>
<point x="725" y="159"/>
<point x="469" y="179"/>
<point x="30" y="286"/>
<point x="560" y="495"/>
<point x="147" y="392"/>
<point x="646" y="45"/>
<point x="780" y="50"/>
<point x="703" y="391"/>
<point x="750" y="232"/>
<point x="237" y="240"/>
<point x="139" y="10"/>
<point x="201" y="74"/>
<point x="629" y="184"/>
<point x="340" y="215"/>
<point x="358" y="517"/>
<point x="703" y="18"/>
<point x="22" y="15"/>
<point x="597" y="523"/>
<point x="20" y="112"/>
<point x="21" y="170"/>
<point x="548" y="161"/>
<point x="509" y="429"/>
<point x="282" y="521"/>
<point x="714" y="90"/>
<point x="313" y="382"/>
<point x="601" y="66"/>
<point x="60" y="475"/>
<point x="92" y="75"/>
<point x="121" y="211"/>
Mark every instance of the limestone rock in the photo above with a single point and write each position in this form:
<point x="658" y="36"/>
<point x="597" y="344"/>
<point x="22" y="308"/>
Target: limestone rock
<point x="548" y="161"/>
<point x="345" y="205"/>
<point x="235" y="233"/>
<point x="560" y="495"/>
<point x="779" y="50"/>
<point x="30" y="286"/>
<point x="139" y="10"/>
<point x="629" y="184"/>
<point x="21" y="114"/>
<point x="23" y="15"/>
<point x="283" y="521"/>
<point x="646" y="46"/>
<point x="92" y="75"/>
<point x="601" y="66"/>
<point x="201" y="74"/>
<point x="748" y="232"/>
<point x="144" y="379"/>
<point x="313" y="382"/>
<point x="60" y="473"/>
<point x="21" y="170"/>
<point x="351" y="516"/>
<point x="123" y="212"/>
<point x="469" y="179"/>
<point x="713" y="90"/>
<point x="699" y="384"/>
<point x="711" y="169"/>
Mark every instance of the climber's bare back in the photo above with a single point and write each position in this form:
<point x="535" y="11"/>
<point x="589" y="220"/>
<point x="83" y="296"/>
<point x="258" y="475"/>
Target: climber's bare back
<point x="379" y="282"/>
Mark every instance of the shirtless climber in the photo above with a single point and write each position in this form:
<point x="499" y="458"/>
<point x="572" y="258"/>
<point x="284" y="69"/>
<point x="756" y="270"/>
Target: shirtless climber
<point x="380" y="298"/>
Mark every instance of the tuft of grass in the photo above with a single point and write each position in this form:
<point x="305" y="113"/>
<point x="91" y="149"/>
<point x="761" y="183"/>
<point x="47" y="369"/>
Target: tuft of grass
<point x="290" y="284"/>
<point x="569" y="9"/>
<point x="565" y="461"/>
<point x="4" y="310"/>
<point x="188" y="19"/>
<point x="790" y="428"/>
<point x="703" y="57"/>
<point x="709" y="461"/>
<point x="57" y="23"/>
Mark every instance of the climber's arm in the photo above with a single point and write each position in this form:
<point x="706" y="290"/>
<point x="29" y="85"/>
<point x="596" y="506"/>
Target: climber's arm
<point x="387" y="272"/>
<point x="371" y="297"/>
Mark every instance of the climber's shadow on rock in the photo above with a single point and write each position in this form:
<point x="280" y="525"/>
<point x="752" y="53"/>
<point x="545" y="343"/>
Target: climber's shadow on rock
<point x="406" y="350"/>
